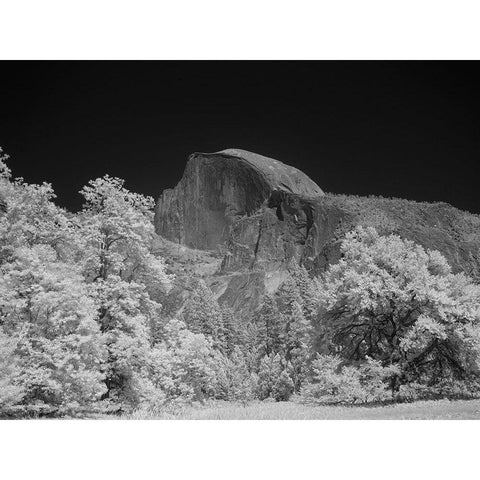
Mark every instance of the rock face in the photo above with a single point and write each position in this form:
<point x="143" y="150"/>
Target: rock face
<point x="219" y="188"/>
<point x="255" y="215"/>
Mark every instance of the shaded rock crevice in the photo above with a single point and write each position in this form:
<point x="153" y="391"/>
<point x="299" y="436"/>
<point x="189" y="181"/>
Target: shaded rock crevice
<point x="257" y="243"/>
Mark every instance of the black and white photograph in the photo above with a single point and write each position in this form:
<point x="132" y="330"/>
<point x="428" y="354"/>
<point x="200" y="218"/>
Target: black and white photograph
<point x="239" y="243"/>
<point x="175" y="245"/>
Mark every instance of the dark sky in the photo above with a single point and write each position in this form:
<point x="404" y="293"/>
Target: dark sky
<point x="403" y="129"/>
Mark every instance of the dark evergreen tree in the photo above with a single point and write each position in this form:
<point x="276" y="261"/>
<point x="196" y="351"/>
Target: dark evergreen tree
<point x="271" y="325"/>
<point x="250" y="345"/>
<point x="283" y="386"/>
<point x="202" y="314"/>
<point x="308" y="289"/>
<point x="268" y="373"/>
<point x="234" y="380"/>
<point x="288" y="295"/>
<point x="298" y="345"/>
<point x="232" y="334"/>
<point x="298" y="330"/>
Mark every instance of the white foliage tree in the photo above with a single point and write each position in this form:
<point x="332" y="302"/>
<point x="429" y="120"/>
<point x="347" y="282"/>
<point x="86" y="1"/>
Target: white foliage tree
<point x="184" y="366"/>
<point x="394" y="301"/>
<point x="117" y="233"/>
<point x="46" y="309"/>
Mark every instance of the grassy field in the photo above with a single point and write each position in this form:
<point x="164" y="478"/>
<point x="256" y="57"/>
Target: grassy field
<point x="428" y="410"/>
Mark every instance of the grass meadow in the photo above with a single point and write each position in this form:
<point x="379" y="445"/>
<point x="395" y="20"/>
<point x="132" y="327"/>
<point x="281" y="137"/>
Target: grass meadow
<point x="422" y="410"/>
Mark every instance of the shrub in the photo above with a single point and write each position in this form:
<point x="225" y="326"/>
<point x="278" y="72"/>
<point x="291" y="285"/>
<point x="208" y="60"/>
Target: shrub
<point x="468" y="388"/>
<point x="334" y="382"/>
<point x="11" y="393"/>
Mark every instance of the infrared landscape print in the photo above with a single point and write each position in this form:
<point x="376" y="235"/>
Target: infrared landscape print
<point x="239" y="240"/>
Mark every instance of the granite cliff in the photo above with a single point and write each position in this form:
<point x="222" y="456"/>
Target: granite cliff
<point x="237" y="219"/>
<point x="219" y="188"/>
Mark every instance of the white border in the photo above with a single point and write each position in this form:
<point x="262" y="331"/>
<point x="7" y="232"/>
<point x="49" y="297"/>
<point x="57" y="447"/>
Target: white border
<point x="247" y="29"/>
<point x="238" y="449"/>
<point x="240" y="29"/>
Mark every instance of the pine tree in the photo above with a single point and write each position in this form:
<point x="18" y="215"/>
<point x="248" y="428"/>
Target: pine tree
<point x="298" y="344"/>
<point x="308" y="289"/>
<point x="283" y="386"/>
<point x="290" y="306"/>
<point x="288" y="295"/>
<point x="250" y="345"/>
<point x="234" y="380"/>
<point x="202" y="314"/>
<point x="270" y="322"/>
<point x="232" y="335"/>
<point x="268" y="373"/>
<point x="298" y="329"/>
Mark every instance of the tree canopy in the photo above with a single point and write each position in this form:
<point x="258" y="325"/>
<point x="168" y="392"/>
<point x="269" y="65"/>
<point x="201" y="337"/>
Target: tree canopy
<point x="391" y="300"/>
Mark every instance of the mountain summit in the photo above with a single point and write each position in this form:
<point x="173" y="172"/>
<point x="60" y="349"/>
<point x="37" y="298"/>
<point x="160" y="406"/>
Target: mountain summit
<point x="218" y="188"/>
<point x="248" y="217"/>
